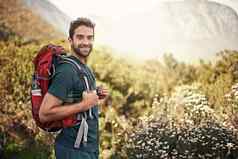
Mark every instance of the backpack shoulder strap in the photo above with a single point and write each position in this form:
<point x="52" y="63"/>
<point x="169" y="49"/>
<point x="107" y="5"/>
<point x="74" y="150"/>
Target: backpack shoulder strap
<point x="80" y="71"/>
<point x="83" y="129"/>
<point x="78" y="68"/>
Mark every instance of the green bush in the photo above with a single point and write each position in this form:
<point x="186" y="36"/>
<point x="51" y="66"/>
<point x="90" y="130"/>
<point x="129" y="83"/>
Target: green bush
<point x="153" y="88"/>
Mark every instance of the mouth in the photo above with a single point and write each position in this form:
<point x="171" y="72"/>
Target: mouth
<point x="84" y="48"/>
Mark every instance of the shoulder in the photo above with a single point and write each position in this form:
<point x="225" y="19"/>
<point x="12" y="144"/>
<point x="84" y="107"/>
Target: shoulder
<point x="65" y="68"/>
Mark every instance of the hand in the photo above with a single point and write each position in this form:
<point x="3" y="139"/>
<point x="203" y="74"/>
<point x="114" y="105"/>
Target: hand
<point x="102" y="92"/>
<point x="90" y="99"/>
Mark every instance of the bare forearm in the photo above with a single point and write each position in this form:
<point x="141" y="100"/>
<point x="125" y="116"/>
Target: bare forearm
<point x="60" y="112"/>
<point x="52" y="108"/>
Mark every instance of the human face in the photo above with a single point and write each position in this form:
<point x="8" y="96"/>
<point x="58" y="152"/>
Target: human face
<point x="82" y="42"/>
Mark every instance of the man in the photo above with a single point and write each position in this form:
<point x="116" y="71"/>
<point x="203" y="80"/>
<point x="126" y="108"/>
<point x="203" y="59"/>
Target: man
<point x="66" y="96"/>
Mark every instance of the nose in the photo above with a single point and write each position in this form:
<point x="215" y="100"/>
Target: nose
<point x="85" y="41"/>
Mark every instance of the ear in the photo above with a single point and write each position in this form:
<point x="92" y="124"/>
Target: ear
<point x="70" y="40"/>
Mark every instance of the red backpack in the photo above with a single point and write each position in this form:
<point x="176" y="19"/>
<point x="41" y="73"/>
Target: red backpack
<point x="44" y="71"/>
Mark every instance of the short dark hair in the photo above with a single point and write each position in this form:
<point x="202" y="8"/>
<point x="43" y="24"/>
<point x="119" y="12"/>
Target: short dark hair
<point x="78" y="22"/>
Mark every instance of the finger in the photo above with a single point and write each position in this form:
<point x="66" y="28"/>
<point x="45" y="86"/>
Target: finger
<point x="94" y="91"/>
<point x="105" y="91"/>
<point x="105" y="94"/>
<point x="84" y="94"/>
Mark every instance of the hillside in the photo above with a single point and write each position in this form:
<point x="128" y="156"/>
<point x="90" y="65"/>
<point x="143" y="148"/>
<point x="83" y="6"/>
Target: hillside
<point x="17" y="19"/>
<point x="50" y="13"/>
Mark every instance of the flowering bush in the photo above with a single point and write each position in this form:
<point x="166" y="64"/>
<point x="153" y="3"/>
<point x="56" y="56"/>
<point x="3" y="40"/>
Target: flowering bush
<point x="163" y="139"/>
<point x="232" y="102"/>
<point x="185" y="127"/>
<point x="232" y="97"/>
<point x="186" y="104"/>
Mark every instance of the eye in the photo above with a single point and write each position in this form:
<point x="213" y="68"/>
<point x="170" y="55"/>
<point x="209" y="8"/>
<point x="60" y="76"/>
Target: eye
<point x="80" y="37"/>
<point x="90" y="37"/>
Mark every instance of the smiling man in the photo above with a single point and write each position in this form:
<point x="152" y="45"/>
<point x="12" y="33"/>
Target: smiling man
<point x="66" y="97"/>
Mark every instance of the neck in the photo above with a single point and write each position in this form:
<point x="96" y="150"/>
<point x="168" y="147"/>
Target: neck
<point x="81" y="59"/>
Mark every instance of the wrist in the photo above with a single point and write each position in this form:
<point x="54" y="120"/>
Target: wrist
<point x="82" y="105"/>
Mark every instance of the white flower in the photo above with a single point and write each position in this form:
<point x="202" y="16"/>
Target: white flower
<point x="229" y="145"/>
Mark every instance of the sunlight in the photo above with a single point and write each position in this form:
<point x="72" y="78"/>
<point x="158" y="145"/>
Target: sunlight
<point x="148" y="29"/>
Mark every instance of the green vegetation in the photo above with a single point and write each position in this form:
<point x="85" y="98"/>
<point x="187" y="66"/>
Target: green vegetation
<point x="173" y="101"/>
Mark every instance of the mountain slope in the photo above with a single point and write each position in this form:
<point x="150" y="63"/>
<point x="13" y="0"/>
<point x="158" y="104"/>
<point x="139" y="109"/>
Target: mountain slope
<point x="189" y="29"/>
<point x="50" y="13"/>
<point x="16" y="18"/>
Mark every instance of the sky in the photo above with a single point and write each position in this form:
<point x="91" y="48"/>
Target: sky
<point x="103" y="7"/>
<point x="110" y="17"/>
<point x="109" y="8"/>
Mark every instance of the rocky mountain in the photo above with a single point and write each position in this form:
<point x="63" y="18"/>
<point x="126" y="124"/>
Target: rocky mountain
<point x="50" y="13"/>
<point x="31" y="20"/>
<point x="188" y="29"/>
